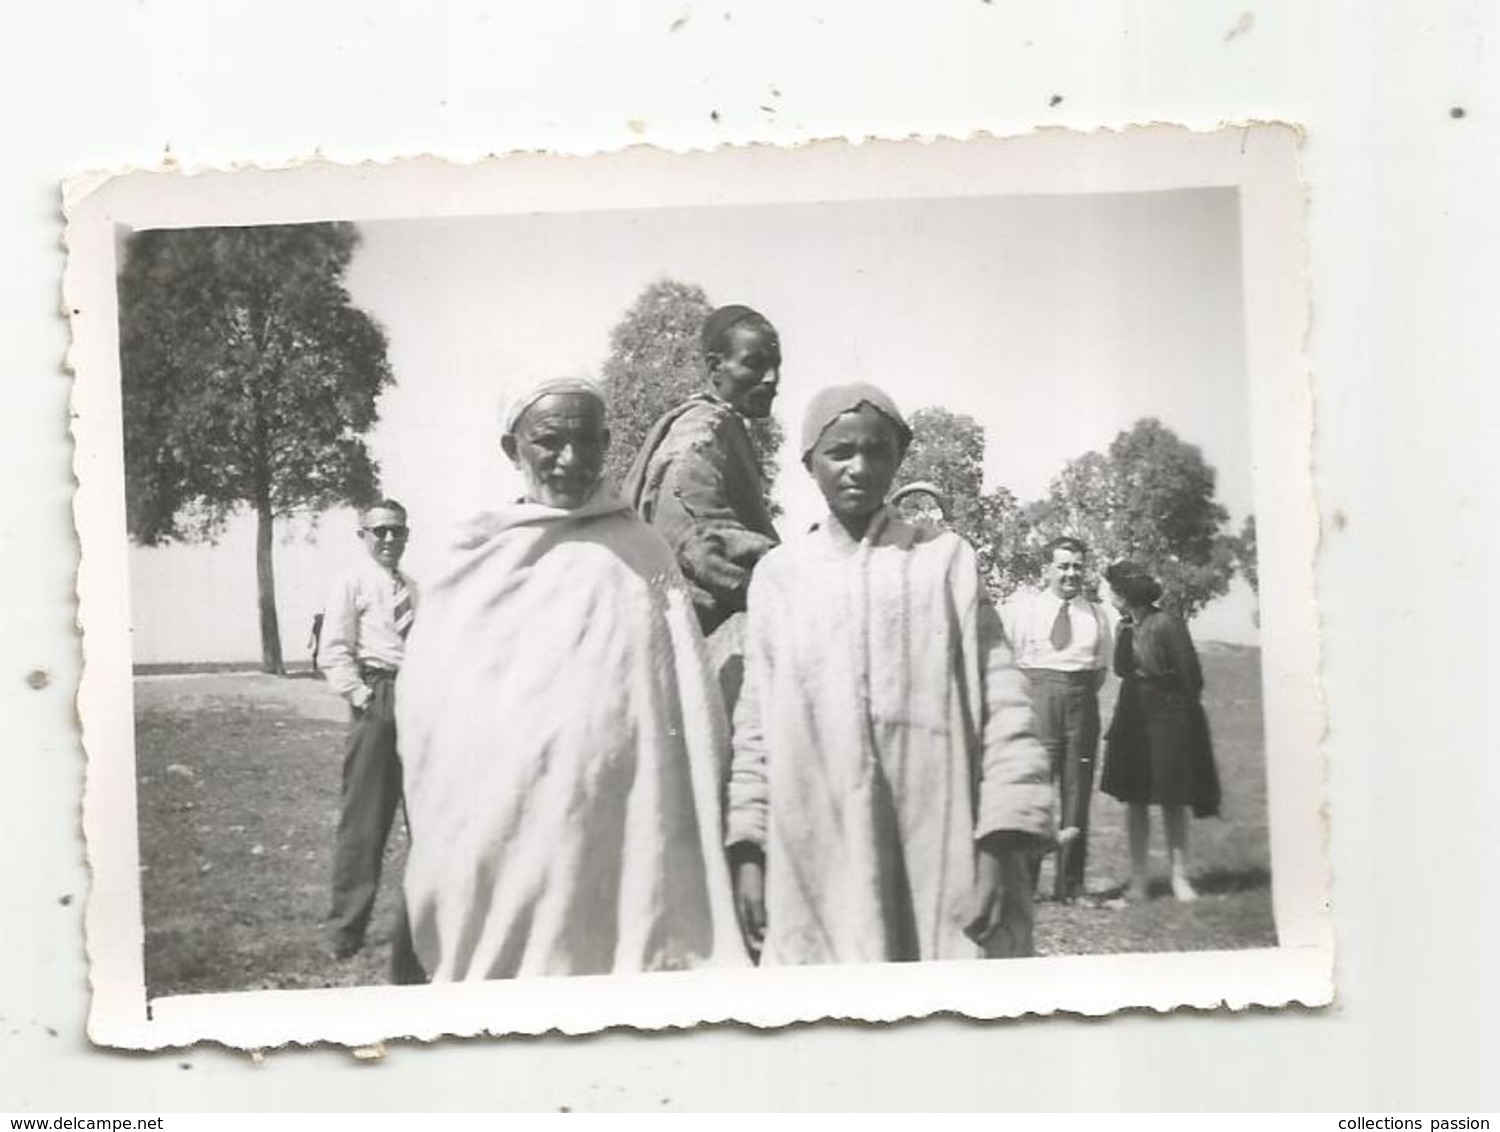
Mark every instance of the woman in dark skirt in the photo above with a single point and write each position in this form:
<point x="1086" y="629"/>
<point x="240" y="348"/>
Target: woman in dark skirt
<point x="1157" y="750"/>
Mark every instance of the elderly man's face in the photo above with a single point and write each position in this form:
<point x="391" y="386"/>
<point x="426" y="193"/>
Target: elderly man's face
<point x="383" y="531"/>
<point x="559" y="446"/>
<point x="748" y="371"/>
<point x="1065" y="573"/>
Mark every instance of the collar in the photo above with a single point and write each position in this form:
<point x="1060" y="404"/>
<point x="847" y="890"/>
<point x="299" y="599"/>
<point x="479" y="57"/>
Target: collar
<point x="376" y="570"/>
<point x="709" y="397"/>
<point x="603" y="501"/>
<point x="886" y="528"/>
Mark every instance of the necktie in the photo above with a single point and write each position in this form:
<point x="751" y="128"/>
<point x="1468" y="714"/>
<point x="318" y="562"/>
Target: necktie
<point x="1062" y="628"/>
<point x="402" y="611"/>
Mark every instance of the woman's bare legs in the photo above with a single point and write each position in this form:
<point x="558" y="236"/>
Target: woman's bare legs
<point x="1139" y="829"/>
<point x="1175" y="818"/>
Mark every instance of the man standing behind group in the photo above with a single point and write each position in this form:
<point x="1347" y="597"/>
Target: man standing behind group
<point x="697" y="479"/>
<point x="1062" y="642"/>
<point x="368" y="615"/>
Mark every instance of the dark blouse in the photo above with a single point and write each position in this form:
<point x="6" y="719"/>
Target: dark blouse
<point x="1158" y="648"/>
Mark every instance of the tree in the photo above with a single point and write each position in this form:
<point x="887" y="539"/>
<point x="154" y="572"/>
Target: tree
<point x="1151" y="499"/>
<point x="1247" y="560"/>
<point x="1083" y="501"/>
<point x="654" y="364"/>
<point x="1247" y="556"/>
<point x="248" y="380"/>
<point x="1010" y="554"/>
<point x="947" y="451"/>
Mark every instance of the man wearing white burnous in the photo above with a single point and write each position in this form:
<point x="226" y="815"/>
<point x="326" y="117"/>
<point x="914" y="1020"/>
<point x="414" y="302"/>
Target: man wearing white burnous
<point x="562" y="737"/>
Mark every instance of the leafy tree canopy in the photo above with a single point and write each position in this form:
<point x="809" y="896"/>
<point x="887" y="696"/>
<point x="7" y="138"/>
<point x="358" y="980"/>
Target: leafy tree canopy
<point x="1150" y="499"/>
<point x="947" y="450"/>
<point x="1248" y="554"/>
<point x="248" y="377"/>
<point x="248" y="380"/>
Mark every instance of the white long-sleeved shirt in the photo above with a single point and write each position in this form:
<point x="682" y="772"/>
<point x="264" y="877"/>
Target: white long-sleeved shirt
<point x="359" y="626"/>
<point x="1028" y="618"/>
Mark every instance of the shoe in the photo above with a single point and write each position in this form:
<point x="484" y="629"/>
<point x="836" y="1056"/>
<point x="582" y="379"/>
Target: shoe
<point x="1183" y="890"/>
<point x="343" y="949"/>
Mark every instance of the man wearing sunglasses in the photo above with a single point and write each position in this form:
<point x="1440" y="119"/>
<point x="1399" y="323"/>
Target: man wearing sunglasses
<point x="366" y="620"/>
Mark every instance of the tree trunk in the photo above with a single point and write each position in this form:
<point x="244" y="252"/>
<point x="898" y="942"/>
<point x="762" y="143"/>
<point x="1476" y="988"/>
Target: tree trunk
<point x="265" y="577"/>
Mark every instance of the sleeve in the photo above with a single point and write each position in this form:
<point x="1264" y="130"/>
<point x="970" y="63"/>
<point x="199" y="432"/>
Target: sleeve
<point x="749" y="790"/>
<point x="714" y="547"/>
<point x="1104" y="653"/>
<point x="1179" y="645"/>
<point x="1015" y="786"/>
<point x="1010" y="621"/>
<point x="340" y="655"/>
<point x="1124" y="649"/>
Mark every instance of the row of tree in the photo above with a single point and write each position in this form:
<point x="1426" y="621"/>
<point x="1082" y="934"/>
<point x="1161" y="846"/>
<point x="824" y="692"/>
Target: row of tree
<point x="250" y="380"/>
<point x="1150" y="498"/>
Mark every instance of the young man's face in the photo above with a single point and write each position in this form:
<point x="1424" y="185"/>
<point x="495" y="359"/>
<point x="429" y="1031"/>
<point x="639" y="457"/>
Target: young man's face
<point x="1065" y="573"/>
<point x="383" y="531"/>
<point x="748" y="371"/>
<point x="559" y="446"/>
<point x="855" y="462"/>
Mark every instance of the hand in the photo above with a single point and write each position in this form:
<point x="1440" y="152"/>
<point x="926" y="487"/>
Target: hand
<point x="980" y="912"/>
<point x="750" y="903"/>
<point x="997" y="912"/>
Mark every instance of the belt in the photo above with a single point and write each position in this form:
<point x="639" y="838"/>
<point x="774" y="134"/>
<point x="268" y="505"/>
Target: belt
<point x="368" y="672"/>
<point x="1056" y="676"/>
<point x="1165" y="683"/>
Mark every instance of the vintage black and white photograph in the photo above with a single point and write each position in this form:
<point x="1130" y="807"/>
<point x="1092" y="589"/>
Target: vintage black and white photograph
<point x="655" y="589"/>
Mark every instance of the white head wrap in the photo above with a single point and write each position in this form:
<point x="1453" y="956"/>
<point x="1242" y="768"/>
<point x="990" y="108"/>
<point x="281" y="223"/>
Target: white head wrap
<point x="522" y="398"/>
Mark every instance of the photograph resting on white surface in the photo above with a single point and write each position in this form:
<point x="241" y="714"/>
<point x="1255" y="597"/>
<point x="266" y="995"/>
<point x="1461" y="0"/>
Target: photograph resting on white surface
<point x="655" y="589"/>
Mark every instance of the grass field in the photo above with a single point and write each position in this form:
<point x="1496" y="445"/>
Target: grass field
<point x="238" y="793"/>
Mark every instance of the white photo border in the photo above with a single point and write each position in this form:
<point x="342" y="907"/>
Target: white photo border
<point x="1261" y="160"/>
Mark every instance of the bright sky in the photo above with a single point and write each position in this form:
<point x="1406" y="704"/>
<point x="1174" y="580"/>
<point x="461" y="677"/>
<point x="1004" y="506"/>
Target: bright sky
<point x="1055" y="321"/>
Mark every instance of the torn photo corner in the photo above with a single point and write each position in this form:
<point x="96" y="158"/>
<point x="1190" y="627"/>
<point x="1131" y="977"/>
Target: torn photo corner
<point x="548" y="807"/>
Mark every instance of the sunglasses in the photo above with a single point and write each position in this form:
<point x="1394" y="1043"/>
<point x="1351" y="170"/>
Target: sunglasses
<point x="397" y="533"/>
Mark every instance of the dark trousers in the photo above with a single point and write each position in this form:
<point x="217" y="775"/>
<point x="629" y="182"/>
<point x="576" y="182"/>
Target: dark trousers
<point x="1065" y="709"/>
<point x="371" y="793"/>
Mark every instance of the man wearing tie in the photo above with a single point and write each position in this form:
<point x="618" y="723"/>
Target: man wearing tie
<point x="367" y="617"/>
<point x="1063" y="644"/>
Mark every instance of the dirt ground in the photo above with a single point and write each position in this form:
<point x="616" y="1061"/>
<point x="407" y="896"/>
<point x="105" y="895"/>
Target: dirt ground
<point x="238" y="778"/>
